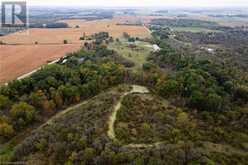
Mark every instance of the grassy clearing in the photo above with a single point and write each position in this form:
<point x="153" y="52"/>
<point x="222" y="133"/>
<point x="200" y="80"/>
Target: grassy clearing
<point x="137" y="54"/>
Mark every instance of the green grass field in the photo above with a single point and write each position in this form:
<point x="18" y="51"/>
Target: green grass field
<point x="138" y="54"/>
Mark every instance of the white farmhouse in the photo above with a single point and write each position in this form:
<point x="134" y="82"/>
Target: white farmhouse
<point x="156" y="48"/>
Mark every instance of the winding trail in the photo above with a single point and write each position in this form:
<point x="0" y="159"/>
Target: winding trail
<point x="111" y="122"/>
<point x="112" y="119"/>
<point x="61" y="113"/>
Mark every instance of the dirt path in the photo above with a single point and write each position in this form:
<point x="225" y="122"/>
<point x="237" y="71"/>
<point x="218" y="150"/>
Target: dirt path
<point x="112" y="119"/>
<point x="111" y="122"/>
<point x="143" y="145"/>
<point x="59" y="114"/>
<point x="147" y="29"/>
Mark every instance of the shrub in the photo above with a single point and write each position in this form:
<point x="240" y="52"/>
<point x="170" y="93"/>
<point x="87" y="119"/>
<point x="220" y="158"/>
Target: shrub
<point x="131" y="39"/>
<point x="4" y="102"/>
<point x="81" y="38"/>
<point x="170" y="87"/>
<point x="22" y="113"/>
<point x="213" y="102"/>
<point x="65" y="42"/>
<point x="242" y="93"/>
<point x="6" y="130"/>
<point x="197" y="100"/>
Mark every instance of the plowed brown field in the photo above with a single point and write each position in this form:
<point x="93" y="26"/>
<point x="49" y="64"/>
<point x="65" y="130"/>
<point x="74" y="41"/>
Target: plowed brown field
<point x="16" y="60"/>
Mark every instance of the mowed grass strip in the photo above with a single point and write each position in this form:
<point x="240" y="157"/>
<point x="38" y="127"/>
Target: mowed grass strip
<point x="137" y="54"/>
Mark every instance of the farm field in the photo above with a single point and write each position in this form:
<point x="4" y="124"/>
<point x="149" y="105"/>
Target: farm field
<point x="16" y="60"/>
<point x="139" y="19"/>
<point x="21" y="55"/>
<point x="107" y="25"/>
<point x="72" y="35"/>
<point x="44" y="36"/>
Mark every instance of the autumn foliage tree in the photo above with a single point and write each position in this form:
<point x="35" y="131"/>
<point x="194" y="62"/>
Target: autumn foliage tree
<point x="22" y="114"/>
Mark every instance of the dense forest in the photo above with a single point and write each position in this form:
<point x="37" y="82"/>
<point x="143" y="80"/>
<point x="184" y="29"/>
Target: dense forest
<point x="49" y="25"/>
<point x="183" y="23"/>
<point x="231" y="44"/>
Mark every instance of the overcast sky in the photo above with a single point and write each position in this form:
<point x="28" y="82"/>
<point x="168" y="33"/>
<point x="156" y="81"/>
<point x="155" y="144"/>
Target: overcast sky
<point x="157" y="3"/>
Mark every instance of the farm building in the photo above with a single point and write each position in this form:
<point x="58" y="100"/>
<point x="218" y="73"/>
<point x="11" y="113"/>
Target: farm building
<point x="156" y="48"/>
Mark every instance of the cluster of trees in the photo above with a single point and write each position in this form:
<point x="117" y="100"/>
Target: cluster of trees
<point x="205" y="84"/>
<point x="50" y="25"/>
<point x="231" y="37"/>
<point x="102" y="37"/>
<point x="54" y="88"/>
<point x="203" y="90"/>
<point x="184" y="23"/>
<point x="233" y="41"/>
<point x="99" y="38"/>
<point x="129" y="38"/>
<point x="162" y="33"/>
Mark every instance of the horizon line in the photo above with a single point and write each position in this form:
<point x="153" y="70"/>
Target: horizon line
<point x="136" y="6"/>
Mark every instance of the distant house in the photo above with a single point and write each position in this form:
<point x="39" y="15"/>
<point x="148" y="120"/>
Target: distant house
<point x="156" y="48"/>
<point x="81" y="60"/>
<point x="64" y="61"/>
<point x="209" y="50"/>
